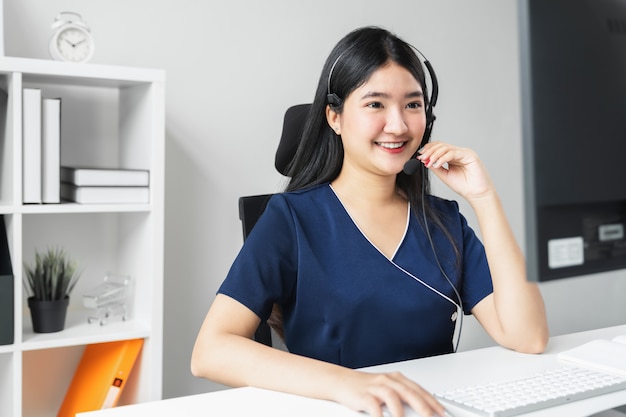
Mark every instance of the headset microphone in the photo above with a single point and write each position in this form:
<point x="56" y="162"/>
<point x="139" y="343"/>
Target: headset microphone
<point x="411" y="166"/>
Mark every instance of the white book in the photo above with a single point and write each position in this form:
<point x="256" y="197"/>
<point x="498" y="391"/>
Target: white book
<point x="89" y="176"/>
<point x="31" y="146"/>
<point x="105" y="195"/>
<point x="51" y="150"/>
<point x="600" y="355"/>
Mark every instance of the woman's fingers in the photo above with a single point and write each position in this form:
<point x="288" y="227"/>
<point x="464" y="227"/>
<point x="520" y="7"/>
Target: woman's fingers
<point x="459" y="168"/>
<point x="436" y="154"/>
<point x="390" y="392"/>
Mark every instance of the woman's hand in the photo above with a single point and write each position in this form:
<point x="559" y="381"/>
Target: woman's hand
<point x="514" y="314"/>
<point x="374" y="392"/>
<point x="459" y="168"/>
<point x="225" y="353"/>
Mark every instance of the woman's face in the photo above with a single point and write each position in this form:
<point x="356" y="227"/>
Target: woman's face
<point x="382" y="122"/>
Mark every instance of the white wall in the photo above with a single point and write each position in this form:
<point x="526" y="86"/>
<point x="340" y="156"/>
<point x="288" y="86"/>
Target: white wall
<point x="234" y="67"/>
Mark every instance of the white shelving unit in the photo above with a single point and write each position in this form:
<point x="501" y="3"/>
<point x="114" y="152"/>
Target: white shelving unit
<point x="111" y="116"/>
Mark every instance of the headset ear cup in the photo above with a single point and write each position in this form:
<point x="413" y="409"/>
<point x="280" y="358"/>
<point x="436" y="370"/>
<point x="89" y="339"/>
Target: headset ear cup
<point x="334" y="100"/>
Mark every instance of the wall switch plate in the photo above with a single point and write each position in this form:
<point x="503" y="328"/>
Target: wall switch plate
<point x="566" y="252"/>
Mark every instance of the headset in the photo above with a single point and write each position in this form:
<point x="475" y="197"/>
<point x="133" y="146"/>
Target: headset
<point x="410" y="168"/>
<point x="333" y="100"/>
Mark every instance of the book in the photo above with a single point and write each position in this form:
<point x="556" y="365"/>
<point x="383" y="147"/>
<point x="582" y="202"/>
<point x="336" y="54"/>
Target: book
<point x="104" y="195"/>
<point x="600" y="355"/>
<point x="105" y="176"/>
<point x="100" y="376"/>
<point x="51" y="150"/>
<point x="31" y="146"/>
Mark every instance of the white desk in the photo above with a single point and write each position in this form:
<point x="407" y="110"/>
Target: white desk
<point x="435" y="374"/>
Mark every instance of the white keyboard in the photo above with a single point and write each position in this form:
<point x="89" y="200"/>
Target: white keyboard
<point x="546" y="389"/>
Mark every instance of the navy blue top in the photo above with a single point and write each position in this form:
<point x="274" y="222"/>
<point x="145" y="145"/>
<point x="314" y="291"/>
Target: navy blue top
<point x="345" y="302"/>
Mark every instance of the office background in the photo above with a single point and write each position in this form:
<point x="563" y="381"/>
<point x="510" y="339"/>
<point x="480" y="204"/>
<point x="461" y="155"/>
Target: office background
<point x="234" y="67"/>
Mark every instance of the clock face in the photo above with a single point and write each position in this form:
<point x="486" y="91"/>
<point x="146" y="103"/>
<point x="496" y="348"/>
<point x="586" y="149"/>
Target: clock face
<point x="74" y="45"/>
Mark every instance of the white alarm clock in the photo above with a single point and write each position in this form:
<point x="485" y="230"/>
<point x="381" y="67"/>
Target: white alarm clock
<point x="71" y="39"/>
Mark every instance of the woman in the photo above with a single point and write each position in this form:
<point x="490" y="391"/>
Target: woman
<point x="365" y="266"/>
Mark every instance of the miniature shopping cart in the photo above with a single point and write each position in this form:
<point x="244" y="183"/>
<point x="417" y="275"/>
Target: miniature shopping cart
<point x="109" y="299"/>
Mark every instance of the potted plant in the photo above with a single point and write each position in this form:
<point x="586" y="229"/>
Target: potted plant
<point x="48" y="284"/>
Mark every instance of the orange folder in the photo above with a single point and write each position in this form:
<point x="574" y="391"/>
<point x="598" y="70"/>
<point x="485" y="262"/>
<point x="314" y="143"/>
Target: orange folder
<point x="100" y="376"/>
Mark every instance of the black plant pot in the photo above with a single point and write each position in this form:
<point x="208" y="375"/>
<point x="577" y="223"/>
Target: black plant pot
<point x="48" y="316"/>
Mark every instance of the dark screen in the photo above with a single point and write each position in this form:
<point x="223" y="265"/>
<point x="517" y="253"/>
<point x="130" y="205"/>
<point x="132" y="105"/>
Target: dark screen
<point x="578" y="88"/>
<point x="574" y="112"/>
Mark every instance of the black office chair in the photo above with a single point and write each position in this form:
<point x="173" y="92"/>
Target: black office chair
<point x="251" y="207"/>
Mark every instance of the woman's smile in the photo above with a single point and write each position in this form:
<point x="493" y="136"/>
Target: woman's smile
<point x="393" y="147"/>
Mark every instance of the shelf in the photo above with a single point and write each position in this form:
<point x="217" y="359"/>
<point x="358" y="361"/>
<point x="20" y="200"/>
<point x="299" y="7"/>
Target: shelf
<point x="47" y="71"/>
<point x="67" y="208"/>
<point x="111" y="117"/>
<point x="78" y="332"/>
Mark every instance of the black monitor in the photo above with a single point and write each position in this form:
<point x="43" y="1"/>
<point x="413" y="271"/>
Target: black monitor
<point x="573" y="72"/>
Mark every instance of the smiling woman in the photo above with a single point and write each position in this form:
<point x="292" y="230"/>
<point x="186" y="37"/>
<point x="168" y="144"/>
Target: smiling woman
<point x="364" y="265"/>
<point x="383" y="121"/>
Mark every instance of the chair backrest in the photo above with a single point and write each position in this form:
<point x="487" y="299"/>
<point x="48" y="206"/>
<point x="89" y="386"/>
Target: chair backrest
<point x="251" y="207"/>
<point x="293" y="126"/>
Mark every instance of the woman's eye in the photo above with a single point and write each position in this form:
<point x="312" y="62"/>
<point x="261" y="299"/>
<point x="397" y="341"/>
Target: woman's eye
<point x="375" y="105"/>
<point x="415" y="105"/>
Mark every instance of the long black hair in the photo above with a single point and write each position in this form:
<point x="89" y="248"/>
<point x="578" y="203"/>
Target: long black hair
<point x="352" y="61"/>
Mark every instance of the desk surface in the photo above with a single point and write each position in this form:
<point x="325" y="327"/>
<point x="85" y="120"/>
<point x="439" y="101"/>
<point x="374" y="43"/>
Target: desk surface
<point x="435" y="374"/>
